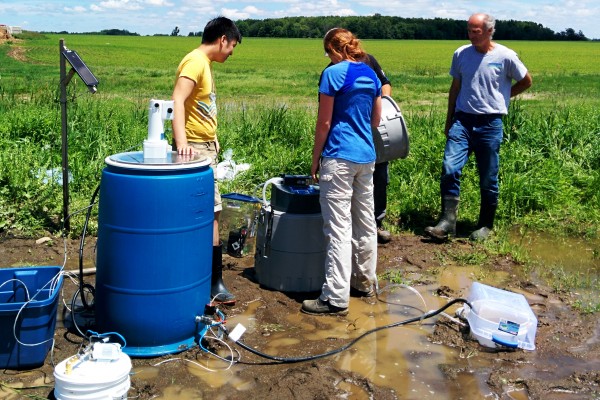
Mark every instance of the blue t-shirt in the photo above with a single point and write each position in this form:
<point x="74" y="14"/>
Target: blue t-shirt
<point x="355" y="87"/>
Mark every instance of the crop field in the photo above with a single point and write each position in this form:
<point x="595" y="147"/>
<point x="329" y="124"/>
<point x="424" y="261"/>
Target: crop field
<point x="288" y="68"/>
<point x="267" y="98"/>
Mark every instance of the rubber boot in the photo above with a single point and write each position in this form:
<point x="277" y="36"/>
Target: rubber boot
<point x="446" y="227"/>
<point x="487" y="214"/>
<point x="218" y="291"/>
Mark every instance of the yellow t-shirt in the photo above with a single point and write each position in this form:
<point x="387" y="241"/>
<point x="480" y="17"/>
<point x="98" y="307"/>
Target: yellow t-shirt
<point x="201" y="105"/>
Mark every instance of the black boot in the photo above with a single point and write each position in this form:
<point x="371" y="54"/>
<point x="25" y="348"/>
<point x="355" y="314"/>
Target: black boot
<point x="218" y="291"/>
<point x="487" y="214"/>
<point x="446" y="227"/>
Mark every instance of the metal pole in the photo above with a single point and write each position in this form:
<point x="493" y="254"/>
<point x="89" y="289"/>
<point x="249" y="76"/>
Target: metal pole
<point x="65" y="152"/>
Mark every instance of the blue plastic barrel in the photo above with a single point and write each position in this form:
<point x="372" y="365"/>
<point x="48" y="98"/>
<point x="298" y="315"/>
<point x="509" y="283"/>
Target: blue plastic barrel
<point x="154" y="252"/>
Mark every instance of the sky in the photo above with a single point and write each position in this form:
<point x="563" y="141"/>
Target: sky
<point x="148" y="17"/>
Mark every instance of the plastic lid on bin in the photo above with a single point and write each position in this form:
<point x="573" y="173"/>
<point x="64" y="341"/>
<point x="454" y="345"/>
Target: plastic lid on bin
<point x="134" y="160"/>
<point x="240" y="197"/>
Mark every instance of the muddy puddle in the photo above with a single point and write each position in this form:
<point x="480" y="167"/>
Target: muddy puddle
<point x="575" y="255"/>
<point x="401" y="358"/>
<point x="566" y="262"/>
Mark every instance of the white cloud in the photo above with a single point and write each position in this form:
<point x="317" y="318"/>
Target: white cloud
<point x="76" y="9"/>
<point x="132" y="5"/>
<point x="345" y="12"/>
<point x="252" y="10"/>
<point x="121" y="5"/>
<point x="234" y="13"/>
<point x="159" y="3"/>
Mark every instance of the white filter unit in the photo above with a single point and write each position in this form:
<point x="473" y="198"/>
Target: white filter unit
<point x="500" y="318"/>
<point x="87" y="378"/>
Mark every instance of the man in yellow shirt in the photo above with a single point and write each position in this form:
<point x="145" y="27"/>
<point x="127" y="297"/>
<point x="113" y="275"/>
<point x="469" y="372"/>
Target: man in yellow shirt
<point x="195" y="119"/>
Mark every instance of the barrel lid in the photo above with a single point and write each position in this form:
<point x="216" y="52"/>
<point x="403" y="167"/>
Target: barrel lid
<point x="173" y="161"/>
<point x="391" y="136"/>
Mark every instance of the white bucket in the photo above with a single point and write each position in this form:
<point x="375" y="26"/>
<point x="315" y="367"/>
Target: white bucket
<point x="93" y="380"/>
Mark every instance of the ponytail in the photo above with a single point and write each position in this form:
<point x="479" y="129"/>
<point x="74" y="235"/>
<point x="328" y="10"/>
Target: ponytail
<point x="344" y="44"/>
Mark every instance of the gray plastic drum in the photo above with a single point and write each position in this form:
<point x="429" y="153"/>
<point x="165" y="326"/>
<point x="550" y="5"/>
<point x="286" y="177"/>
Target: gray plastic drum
<point x="391" y="136"/>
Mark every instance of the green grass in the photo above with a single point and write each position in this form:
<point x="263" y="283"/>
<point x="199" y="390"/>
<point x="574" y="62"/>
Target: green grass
<point x="287" y="69"/>
<point x="267" y="98"/>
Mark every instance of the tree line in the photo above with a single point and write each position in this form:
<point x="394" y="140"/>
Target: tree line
<point x="379" y="27"/>
<point x="390" y="27"/>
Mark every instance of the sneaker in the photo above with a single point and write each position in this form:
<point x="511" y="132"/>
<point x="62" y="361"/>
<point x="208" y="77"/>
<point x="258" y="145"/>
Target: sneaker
<point x="359" y="293"/>
<point x="383" y="236"/>
<point x="319" y="307"/>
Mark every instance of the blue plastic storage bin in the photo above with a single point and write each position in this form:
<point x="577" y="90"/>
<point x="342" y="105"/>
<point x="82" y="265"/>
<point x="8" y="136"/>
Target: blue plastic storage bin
<point x="36" y="321"/>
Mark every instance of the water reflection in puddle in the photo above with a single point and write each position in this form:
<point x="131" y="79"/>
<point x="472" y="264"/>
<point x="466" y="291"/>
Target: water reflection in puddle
<point x="574" y="260"/>
<point x="400" y="358"/>
<point x="573" y="254"/>
<point x="180" y="393"/>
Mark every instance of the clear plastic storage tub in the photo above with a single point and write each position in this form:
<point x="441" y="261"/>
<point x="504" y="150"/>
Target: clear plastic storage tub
<point x="500" y="318"/>
<point x="238" y="224"/>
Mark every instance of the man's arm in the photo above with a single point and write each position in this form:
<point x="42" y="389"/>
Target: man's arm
<point x="521" y="85"/>
<point x="452" y="96"/>
<point x="183" y="89"/>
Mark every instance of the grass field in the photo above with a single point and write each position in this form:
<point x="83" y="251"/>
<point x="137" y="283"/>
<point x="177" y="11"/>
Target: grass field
<point x="267" y="104"/>
<point x="289" y="68"/>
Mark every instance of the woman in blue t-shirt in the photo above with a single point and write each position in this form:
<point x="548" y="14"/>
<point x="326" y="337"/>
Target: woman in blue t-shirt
<point x="344" y="158"/>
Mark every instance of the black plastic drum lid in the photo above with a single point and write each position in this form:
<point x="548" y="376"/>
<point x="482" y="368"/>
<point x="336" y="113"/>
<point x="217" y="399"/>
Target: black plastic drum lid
<point x="295" y="199"/>
<point x="391" y="136"/>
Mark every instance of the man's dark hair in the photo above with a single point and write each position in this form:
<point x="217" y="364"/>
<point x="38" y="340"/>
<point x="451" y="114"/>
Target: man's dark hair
<point x="217" y="27"/>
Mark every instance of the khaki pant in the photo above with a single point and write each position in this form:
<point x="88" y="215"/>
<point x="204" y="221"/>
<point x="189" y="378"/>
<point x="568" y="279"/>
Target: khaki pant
<point x="209" y="150"/>
<point x="346" y="198"/>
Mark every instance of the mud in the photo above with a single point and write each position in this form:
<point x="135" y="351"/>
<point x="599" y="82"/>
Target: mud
<point x="564" y="365"/>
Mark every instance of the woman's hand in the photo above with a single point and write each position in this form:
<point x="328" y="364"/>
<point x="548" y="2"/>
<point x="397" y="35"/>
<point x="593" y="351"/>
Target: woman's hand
<point x="314" y="170"/>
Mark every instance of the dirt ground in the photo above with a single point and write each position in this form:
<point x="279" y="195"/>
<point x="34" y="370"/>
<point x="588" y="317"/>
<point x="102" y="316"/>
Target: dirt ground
<point x="565" y="364"/>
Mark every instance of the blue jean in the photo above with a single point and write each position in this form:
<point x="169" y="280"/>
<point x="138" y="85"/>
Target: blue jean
<point x="482" y="135"/>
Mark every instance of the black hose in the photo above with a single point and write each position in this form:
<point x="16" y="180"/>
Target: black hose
<point x="81" y="245"/>
<point x="353" y="341"/>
